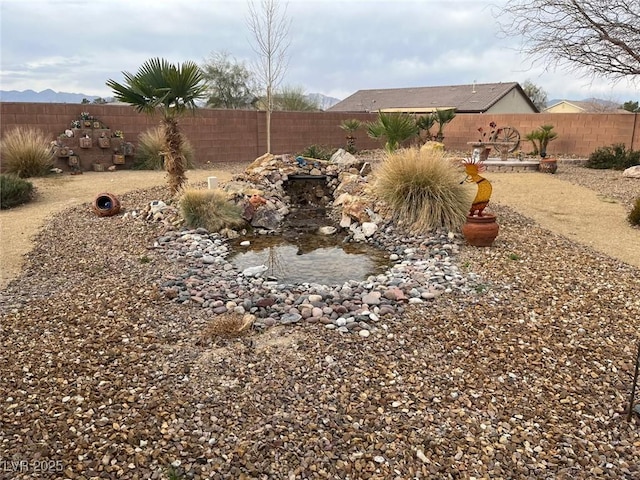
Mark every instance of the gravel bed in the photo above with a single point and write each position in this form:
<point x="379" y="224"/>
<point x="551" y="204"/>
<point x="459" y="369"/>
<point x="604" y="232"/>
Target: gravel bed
<point x="525" y="375"/>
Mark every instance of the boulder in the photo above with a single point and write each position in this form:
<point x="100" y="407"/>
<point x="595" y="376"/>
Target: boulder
<point x="345" y="160"/>
<point x="266" y="218"/>
<point x="632" y="172"/>
<point x="254" y="271"/>
<point x="369" y="228"/>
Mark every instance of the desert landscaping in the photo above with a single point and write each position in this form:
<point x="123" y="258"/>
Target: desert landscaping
<point x="524" y="371"/>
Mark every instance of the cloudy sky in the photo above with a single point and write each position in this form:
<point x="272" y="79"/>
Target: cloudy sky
<point x="336" y="47"/>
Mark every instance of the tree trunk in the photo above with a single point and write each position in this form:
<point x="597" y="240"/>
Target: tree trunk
<point x="174" y="161"/>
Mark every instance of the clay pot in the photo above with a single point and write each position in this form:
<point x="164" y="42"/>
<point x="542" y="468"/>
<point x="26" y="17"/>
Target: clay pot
<point x="480" y="231"/>
<point x="106" y="205"/>
<point x="548" y="165"/>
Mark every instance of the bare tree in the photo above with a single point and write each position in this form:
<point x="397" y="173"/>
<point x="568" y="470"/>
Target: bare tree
<point x="269" y="26"/>
<point x="600" y="38"/>
<point x="536" y="94"/>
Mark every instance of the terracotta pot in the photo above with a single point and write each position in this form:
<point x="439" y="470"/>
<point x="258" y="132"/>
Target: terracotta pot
<point x="548" y="165"/>
<point x="106" y="205"/>
<point x="480" y="231"/>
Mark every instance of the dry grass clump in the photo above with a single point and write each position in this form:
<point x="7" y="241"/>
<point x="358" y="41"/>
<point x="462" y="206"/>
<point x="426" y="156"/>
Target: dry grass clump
<point x="210" y="209"/>
<point x="423" y="189"/>
<point x="229" y="325"/>
<point x="634" y="214"/>
<point x="26" y="152"/>
<point x="151" y="147"/>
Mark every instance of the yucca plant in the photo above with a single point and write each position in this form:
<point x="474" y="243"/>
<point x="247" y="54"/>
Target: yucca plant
<point x="210" y="209"/>
<point x="394" y="127"/>
<point x="152" y="148"/>
<point x="423" y="189"/>
<point x="26" y="152"/>
<point x="14" y="191"/>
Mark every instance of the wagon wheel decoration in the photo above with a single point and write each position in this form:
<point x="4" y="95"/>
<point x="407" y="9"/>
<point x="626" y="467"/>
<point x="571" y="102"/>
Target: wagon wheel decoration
<point x="510" y="137"/>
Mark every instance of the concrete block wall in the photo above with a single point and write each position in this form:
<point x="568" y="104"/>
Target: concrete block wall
<point x="221" y="136"/>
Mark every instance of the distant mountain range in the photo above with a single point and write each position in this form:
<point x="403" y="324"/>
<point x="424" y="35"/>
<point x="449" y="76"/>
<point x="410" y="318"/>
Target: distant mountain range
<point x="50" y="96"/>
<point x="45" y="96"/>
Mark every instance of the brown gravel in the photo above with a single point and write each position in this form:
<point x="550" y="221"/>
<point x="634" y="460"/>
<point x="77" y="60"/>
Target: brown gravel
<point x="527" y="378"/>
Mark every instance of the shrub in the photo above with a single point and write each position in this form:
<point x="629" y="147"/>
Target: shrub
<point x="423" y="189"/>
<point x="150" y="148"/>
<point x="14" y="191"/>
<point x="634" y="215"/>
<point x="210" y="209"/>
<point x="321" y="152"/>
<point x="396" y="128"/>
<point x="26" y="152"/>
<point x="615" y="157"/>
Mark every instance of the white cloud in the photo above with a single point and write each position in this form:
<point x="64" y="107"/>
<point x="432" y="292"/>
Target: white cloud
<point x="337" y="47"/>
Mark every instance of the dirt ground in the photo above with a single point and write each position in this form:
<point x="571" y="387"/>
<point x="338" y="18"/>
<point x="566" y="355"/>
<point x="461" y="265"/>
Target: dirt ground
<point x="570" y="210"/>
<point x="575" y="212"/>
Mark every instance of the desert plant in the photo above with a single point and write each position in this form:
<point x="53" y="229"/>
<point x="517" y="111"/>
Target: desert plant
<point x="615" y="157"/>
<point x="171" y="90"/>
<point x="14" y="191"/>
<point x="26" y="152"/>
<point x="634" y="214"/>
<point x="321" y="152"/>
<point x="423" y="189"/>
<point x="229" y="325"/>
<point x="151" y="150"/>
<point x="426" y="123"/>
<point x="350" y="126"/>
<point x="209" y="209"/>
<point x="442" y="117"/>
<point x="540" y="139"/>
<point x="394" y="127"/>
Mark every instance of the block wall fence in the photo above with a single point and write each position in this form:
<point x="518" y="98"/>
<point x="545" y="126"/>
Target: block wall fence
<point x="222" y="136"/>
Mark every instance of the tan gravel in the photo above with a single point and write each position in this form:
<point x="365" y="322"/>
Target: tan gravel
<point x="54" y="194"/>
<point x="528" y="377"/>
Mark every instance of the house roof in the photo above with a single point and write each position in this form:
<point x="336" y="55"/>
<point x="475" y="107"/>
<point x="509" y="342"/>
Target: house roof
<point x="472" y="98"/>
<point x="592" y="106"/>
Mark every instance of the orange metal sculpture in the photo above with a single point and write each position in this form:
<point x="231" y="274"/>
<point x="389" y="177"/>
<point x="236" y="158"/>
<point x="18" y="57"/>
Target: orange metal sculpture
<point x="473" y="167"/>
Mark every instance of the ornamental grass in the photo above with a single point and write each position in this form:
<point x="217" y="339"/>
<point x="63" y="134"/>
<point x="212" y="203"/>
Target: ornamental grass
<point x="151" y="148"/>
<point x="210" y="209"/>
<point x="26" y="152"/>
<point x="423" y="189"/>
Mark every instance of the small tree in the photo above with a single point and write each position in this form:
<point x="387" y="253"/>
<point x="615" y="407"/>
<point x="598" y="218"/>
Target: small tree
<point x="631" y="106"/>
<point x="536" y="94"/>
<point x="426" y="123"/>
<point x="442" y="117"/>
<point x="293" y="99"/>
<point x="350" y="126"/>
<point x="171" y="90"/>
<point x="540" y="139"/>
<point x="270" y="29"/>
<point x="230" y="84"/>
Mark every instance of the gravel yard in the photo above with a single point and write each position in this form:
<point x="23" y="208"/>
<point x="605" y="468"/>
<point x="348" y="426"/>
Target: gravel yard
<point x="527" y="377"/>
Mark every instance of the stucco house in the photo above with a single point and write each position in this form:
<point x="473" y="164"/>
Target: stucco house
<point x="584" y="106"/>
<point x="473" y="98"/>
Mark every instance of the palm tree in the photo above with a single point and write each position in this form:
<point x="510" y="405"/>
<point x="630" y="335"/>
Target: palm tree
<point x="442" y="117"/>
<point x="350" y="126"/>
<point x="395" y="127"/>
<point x="168" y="89"/>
